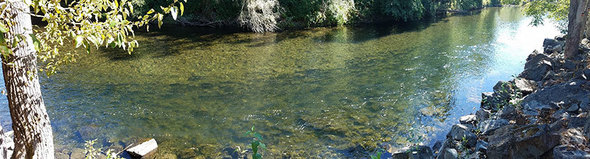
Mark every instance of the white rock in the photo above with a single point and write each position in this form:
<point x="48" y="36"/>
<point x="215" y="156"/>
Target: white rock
<point x="144" y="149"/>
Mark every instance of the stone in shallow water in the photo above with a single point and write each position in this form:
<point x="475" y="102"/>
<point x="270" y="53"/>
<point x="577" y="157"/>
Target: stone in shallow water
<point x="415" y="152"/>
<point x="144" y="150"/>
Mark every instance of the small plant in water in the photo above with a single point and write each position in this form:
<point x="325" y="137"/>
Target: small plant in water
<point x="256" y="143"/>
<point x="92" y="153"/>
<point x="377" y="155"/>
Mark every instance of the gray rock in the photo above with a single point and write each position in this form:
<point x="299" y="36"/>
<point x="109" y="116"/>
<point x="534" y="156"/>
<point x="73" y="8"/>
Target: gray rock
<point x="494" y="100"/>
<point x="536" y="67"/>
<point x="481" y="146"/>
<point x="573" y="136"/>
<point x="476" y="155"/>
<point x="482" y="115"/>
<point x="577" y="122"/>
<point x="487" y="100"/>
<point x="462" y="133"/>
<point x="525" y="86"/>
<point x="488" y="126"/>
<point x="560" y="37"/>
<point x="530" y="141"/>
<point x="144" y="150"/>
<point x="436" y="147"/>
<point x="503" y="90"/>
<point x="508" y="112"/>
<point x="569" y="152"/>
<point x="587" y="129"/>
<point x="468" y="119"/>
<point x="586" y="73"/>
<point x="448" y="153"/>
<point x="551" y="46"/>
<point x="414" y="152"/>
<point x="573" y="107"/>
<point x="569" y="65"/>
<point x="547" y="98"/>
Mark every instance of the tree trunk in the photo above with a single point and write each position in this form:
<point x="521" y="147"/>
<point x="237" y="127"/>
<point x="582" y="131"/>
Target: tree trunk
<point x="33" y="137"/>
<point x="577" y="20"/>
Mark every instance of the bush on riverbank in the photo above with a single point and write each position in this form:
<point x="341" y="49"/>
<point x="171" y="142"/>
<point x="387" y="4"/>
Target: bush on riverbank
<point x="295" y="13"/>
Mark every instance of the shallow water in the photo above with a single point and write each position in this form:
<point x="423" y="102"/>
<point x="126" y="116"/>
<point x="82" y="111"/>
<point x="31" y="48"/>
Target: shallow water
<point x="322" y="92"/>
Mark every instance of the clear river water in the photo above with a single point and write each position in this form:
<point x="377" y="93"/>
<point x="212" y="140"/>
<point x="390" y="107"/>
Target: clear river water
<point x="322" y="92"/>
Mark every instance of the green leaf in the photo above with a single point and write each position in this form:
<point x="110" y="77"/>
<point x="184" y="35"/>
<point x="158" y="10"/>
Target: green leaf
<point x="151" y="11"/>
<point x="79" y="40"/>
<point x="130" y="7"/>
<point x="36" y="42"/>
<point x="3" y="28"/>
<point x="2" y="40"/>
<point x="5" y="50"/>
<point x="160" y="17"/>
<point x="181" y="9"/>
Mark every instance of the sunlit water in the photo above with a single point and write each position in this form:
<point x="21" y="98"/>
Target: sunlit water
<point x="323" y="92"/>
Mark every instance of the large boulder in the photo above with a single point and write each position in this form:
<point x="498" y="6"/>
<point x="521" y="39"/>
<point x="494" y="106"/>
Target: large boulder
<point x="525" y="86"/>
<point x="552" y="45"/>
<point x="530" y="141"/>
<point x="144" y="150"/>
<point x="492" y="101"/>
<point x="536" y="66"/>
<point x="488" y="126"/>
<point x="462" y="133"/>
<point x="508" y="112"/>
<point x="468" y="119"/>
<point x="448" y="153"/>
<point x="414" y="152"/>
<point x="569" y="151"/>
<point x="548" y="98"/>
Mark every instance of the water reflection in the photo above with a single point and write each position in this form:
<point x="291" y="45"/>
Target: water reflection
<point x="324" y="92"/>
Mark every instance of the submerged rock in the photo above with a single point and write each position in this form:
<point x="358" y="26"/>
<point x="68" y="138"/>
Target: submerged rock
<point x="414" y="152"/>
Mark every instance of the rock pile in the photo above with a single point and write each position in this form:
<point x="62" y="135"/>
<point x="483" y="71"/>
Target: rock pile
<point x="542" y="113"/>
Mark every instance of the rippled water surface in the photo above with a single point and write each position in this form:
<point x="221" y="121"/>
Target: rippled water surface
<point x="324" y="92"/>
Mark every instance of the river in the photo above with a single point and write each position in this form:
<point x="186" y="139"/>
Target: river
<point x="322" y="92"/>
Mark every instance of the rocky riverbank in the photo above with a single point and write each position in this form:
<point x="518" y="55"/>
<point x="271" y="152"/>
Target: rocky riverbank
<point x="541" y="113"/>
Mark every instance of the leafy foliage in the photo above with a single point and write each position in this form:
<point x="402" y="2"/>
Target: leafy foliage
<point x="511" y="2"/>
<point x="256" y="143"/>
<point x="82" y="24"/>
<point x="555" y="10"/>
<point x="90" y="152"/>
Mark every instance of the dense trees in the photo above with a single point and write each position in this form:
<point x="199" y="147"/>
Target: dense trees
<point x="287" y="13"/>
